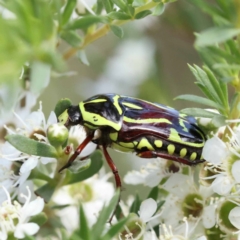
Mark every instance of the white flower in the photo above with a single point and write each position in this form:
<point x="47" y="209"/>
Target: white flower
<point x="14" y="217"/>
<point x="93" y="194"/>
<point x="187" y="200"/>
<point x="224" y="159"/>
<point x="151" y="174"/>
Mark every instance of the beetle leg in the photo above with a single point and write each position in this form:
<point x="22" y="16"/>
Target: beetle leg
<point x="154" y="154"/>
<point x="77" y="151"/>
<point x="113" y="167"/>
<point x="116" y="176"/>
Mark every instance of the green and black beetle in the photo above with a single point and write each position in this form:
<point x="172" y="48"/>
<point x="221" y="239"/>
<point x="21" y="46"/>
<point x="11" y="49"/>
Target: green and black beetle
<point x="129" y="124"/>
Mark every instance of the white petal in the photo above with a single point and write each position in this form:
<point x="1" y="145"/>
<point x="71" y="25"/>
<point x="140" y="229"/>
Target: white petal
<point x="51" y="119"/>
<point x="209" y="217"/>
<point x="147" y="209"/>
<point x="214" y="150"/>
<point x="46" y="160"/>
<point x="34" y="207"/>
<point x="222" y="185"/>
<point x="236" y="171"/>
<point x="28" y="165"/>
<point x="135" y="177"/>
<point x="153" y="178"/>
<point x="178" y="184"/>
<point x="234" y="217"/>
<point x="25" y="229"/>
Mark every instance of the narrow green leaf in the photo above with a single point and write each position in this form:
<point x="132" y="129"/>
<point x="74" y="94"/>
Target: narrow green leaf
<point x="119" y="16"/>
<point x="215" y="84"/>
<point x="159" y="9"/>
<point x="107" y="5"/>
<point x="39" y="76"/>
<point x="104" y="215"/>
<point x="198" y="112"/>
<point x="96" y="165"/>
<point x="142" y="14"/>
<point x="62" y="105"/>
<point x="71" y="37"/>
<point x="84" y="231"/>
<point x="235" y="67"/>
<point x="153" y="193"/>
<point x="201" y="100"/>
<point x="85" y="22"/>
<point x="30" y="146"/>
<point x="216" y="35"/>
<point x="135" y="205"/>
<point x="70" y="6"/>
<point x="116" y="228"/>
<point x="202" y="77"/>
<point x="117" y="31"/>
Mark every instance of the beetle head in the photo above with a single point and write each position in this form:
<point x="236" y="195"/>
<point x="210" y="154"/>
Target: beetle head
<point x="71" y="116"/>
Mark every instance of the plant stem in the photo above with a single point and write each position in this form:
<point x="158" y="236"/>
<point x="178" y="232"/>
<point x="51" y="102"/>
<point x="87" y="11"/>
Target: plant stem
<point x="102" y="31"/>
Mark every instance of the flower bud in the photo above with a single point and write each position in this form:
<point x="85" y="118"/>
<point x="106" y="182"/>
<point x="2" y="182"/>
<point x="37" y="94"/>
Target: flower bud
<point x="57" y="134"/>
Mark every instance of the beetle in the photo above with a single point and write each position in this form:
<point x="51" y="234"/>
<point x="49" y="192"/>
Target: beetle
<point x="129" y="124"/>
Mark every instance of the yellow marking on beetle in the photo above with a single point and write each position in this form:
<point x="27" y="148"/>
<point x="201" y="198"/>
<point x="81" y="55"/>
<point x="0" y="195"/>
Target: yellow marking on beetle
<point x="116" y="104"/>
<point x="182" y="115"/>
<point x="145" y="143"/>
<point x="97" y="120"/>
<point x="174" y="136"/>
<point x="97" y="100"/>
<point x="127" y="144"/>
<point x="135" y="143"/>
<point x="120" y="148"/>
<point x="182" y="124"/>
<point x="158" y="143"/>
<point x="148" y="120"/>
<point x="63" y="118"/>
<point x="171" y="149"/>
<point x="193" y="156"/>
<point x="131" y="105"/>
<point x="183" y="152"/>
<point x="113" y="136"/>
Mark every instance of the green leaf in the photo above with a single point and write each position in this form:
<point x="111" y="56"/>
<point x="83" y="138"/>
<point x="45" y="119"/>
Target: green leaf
<point x="201" y="100"/>
<point x="216" y="35"/>
<point x="119" y="16"/>
<point x="116" y="228"/>
<point x="142" y="14"/>
<point x="96" y="165"/>
<point x="108" y="5"/>
<point x="84" y="231"/>
<point x="70" y="6"/>
<point x="85" y="22"/>
<point x="81" y="55"/>
<point x="121" y="4"/>
<point x="153" y="193"/>
<point x="79" y="166"/>
<point x="39" y="76"/>
<point x="62" y="105"/>
<point x="138" y="3"/>
<point x="71" y="37"/>
<point x="159" y="9"/>
<point x="117" y="31"/>
<point x="135" y="205"/>
<point x="39" y="219"/>
<point x="198" y="112"/>
<point x="46" y="191"/>
<point x="104" y="215"/>
<point x="30" y="146"/>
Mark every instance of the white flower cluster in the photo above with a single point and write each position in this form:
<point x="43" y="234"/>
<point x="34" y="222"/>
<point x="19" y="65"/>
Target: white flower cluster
<point x="200" y="202"/>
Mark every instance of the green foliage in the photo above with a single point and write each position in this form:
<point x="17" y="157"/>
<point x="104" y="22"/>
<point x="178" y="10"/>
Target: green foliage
<point x="220" y="50"/>
<point x="98" y="231"/>
<point x="30" y="146"/>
